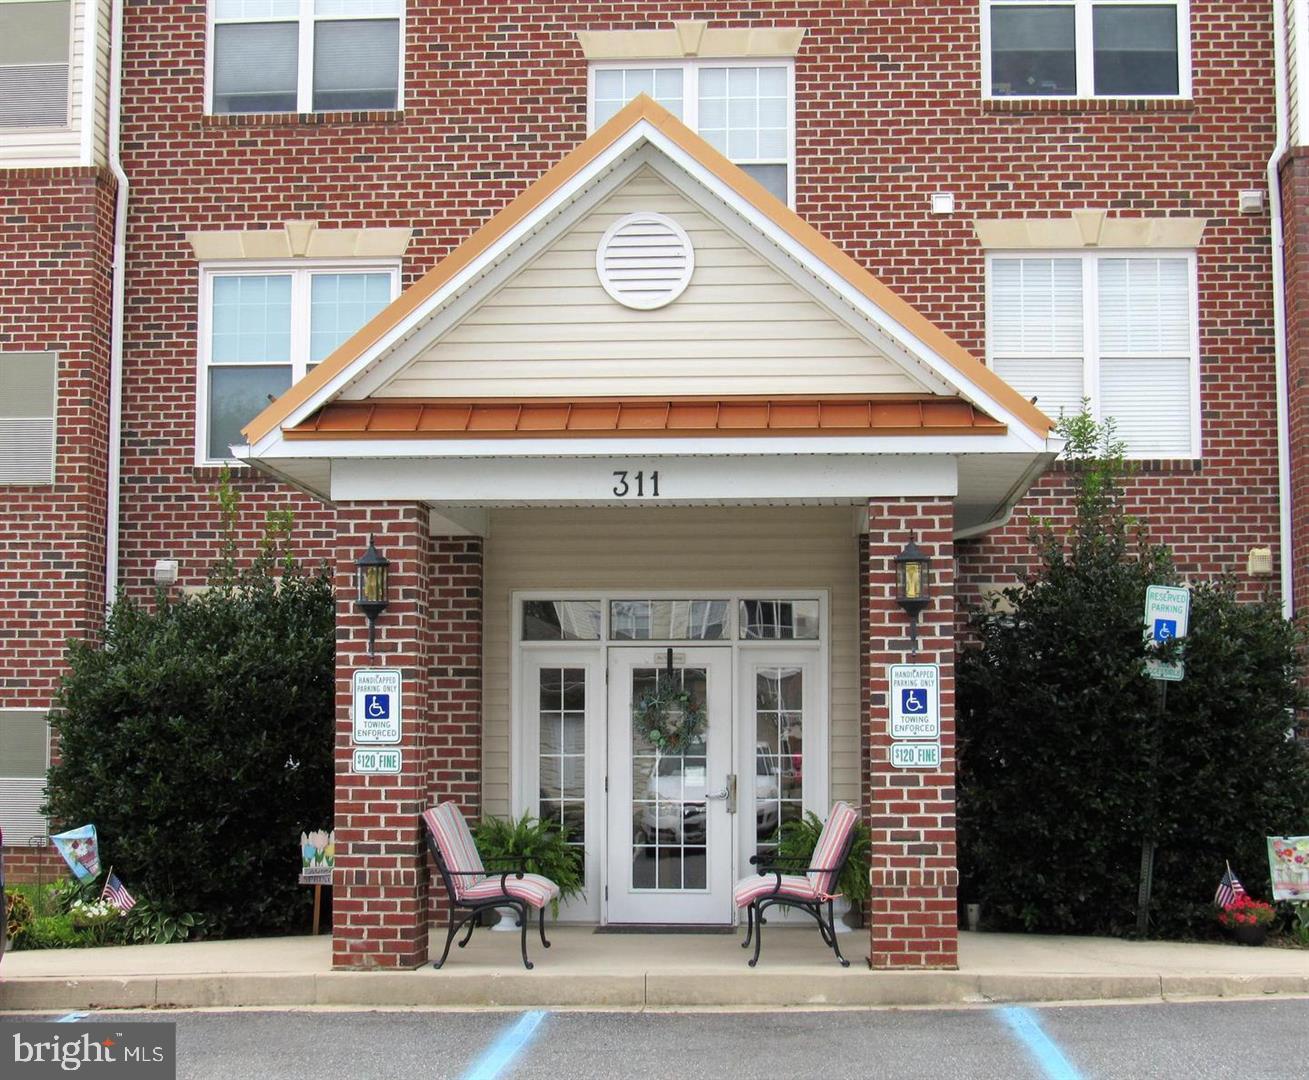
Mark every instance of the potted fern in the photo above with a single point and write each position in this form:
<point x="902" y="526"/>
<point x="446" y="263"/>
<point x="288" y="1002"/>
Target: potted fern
<point x="535" y="846"/>
<point x="796" y="841"/>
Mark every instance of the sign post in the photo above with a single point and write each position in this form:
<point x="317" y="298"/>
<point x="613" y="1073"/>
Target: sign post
<point x="1167" y="618"/>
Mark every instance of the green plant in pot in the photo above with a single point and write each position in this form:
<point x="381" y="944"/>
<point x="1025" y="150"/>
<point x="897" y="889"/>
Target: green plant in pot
<point x="796" y="841"/>
<point x="536" y="847"/>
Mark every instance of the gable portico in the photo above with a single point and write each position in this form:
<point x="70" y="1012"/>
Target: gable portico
<point x="723" y="479"/>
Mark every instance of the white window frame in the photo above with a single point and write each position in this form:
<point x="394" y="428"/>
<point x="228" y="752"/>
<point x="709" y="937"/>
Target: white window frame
<point x="14" y="133"/>
<point x="301" y="272"/>
<point x="1090" y="261"/>
<point x="1086" y="49"/>
<point x="691" y="98"/>
<point x="305" y="53"/>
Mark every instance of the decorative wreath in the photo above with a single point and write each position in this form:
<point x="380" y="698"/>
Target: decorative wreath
<point x="668" y="718"/>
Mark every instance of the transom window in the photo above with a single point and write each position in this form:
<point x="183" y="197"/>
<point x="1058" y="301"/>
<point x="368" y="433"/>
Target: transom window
<point x="1085" y="48"/>
<point x="1116" y="329"/>
<point x="35" y="39"/>
<point x="305" y="55"/>
<point x="742" y="110"/>
<point x="261" y="330"/>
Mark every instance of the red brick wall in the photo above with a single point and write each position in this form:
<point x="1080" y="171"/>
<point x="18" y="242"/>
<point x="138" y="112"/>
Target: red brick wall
<point x="888" y="110"/>
<point x="1295" y="200"/>
<point x="29" y="865"/>
<point x="55" y="252"/>
<point x="911" y="813"/>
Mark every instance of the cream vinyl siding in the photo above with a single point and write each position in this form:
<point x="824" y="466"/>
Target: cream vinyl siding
<point x="578" y="550"/>
<point x="48" y="146"/>
<point x="739" y="328"/>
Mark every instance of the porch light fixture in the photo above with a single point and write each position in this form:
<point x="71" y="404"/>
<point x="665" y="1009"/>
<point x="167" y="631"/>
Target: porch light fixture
<point x="371" y="583"/>
<point x="913" y="584"/>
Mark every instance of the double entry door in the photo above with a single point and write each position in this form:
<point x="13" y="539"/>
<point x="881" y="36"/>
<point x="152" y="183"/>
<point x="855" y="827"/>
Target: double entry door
<point x="670" y="809"/>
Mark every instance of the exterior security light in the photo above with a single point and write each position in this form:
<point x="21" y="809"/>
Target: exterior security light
<point x="165" y="572"/>
<point x="913" y="584"/>
<point x="371" y="570"/>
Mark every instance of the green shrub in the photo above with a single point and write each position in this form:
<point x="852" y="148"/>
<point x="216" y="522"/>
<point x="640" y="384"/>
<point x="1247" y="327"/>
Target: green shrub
<point x="1065" y="760"/>
<point x="56" y="932"/>
<point x="538" y="847"/>
<point x="18" y="916"/>
<point x="197" y="735"/>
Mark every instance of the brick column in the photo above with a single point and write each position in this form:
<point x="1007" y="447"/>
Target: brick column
<point x="454" y="684"/>
<point x="379" y="901"/>
<point x="911" y="813"/>
<point x="1295" y="203"/>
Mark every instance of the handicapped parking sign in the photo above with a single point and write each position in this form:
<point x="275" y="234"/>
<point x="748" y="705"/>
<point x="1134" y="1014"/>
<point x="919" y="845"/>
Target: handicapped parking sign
<point x="376" y="714"/>
<point x="915" y="698"/>
<point x="1167" y="618"/>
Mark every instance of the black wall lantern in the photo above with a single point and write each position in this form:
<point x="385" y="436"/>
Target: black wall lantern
<point x="913" y="584"/>
<point x="371" y="583"/>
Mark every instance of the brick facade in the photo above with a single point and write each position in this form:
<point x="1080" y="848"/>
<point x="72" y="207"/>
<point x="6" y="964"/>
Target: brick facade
<point x="1295" y="201"/>
<point x="911" y="813"/>
<point x="887" y="112"/>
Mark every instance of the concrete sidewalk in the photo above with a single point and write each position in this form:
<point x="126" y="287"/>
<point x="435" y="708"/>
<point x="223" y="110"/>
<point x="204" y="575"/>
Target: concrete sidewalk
<point x="585" y="969"/>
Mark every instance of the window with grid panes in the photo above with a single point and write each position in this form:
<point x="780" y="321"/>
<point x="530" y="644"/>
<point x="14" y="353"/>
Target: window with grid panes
<point x="1115" y="329"/>
<point x="742" y="110"/>
<point x="305" y="55"/>
<point x="267" y="328"/>
<point x="1085" y="48"/>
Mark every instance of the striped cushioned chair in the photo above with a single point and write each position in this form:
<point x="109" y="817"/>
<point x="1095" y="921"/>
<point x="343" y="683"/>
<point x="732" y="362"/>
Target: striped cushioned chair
<point x="472" y="889"/>
<point x="808" y="888"/>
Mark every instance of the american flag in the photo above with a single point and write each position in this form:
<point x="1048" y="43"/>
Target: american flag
<point x="116" y="893"/>
<point x="1228" y="889"/>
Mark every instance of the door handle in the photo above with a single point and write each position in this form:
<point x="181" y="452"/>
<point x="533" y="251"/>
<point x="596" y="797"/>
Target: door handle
<point x="728" y="793"/>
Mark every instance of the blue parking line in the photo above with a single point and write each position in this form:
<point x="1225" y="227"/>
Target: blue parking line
<point x="503" y="1051"/>
<point x="72" y="1018"/>
<point x="1023" y="1023"/>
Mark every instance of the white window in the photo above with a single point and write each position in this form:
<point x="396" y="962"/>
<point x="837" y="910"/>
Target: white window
<point x="24" y="756"/>
<point x="1118" y="329"/>
<point x="1085" y="48"/>
<point x="262" y="329"/>
<point x="27" y="418"/>
<point x="743" y="110"/>
<point x="35" y="39"/>
<point x="305" y="55"/>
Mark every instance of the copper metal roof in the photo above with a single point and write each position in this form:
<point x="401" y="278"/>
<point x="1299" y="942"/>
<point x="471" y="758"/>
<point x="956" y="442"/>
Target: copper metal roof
<point x="674" y="417"/>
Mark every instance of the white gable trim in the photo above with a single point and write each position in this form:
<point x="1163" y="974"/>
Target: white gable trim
<point x="386" y="356"/>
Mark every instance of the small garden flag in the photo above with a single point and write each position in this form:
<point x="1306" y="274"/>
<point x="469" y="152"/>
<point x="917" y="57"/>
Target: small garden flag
<point x="116" y="893"/>
<point x="80" y="850"/>
<point x="1228" y="889"/>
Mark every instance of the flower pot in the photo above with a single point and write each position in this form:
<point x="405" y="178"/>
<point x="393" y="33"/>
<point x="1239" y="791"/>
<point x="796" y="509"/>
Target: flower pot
<point x="1248" y="934"/>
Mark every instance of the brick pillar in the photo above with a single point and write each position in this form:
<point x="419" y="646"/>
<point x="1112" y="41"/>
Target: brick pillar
<point x="379" y="901"/>
<point x="911" y="813"/>
<point x="454" y="684"/>
<point x="1295" y="202"/>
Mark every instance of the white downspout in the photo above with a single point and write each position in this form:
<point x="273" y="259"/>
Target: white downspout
<point x="1279" y="306"/>
<point x="116" y="307"/>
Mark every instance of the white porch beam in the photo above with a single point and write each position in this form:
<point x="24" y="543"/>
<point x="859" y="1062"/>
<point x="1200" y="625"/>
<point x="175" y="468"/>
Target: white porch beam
<point x="635" y="481"/>
<point x="463" y="521"/>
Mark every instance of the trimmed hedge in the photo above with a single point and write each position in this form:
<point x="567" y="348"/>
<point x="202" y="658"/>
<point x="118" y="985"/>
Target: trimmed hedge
<point x="1065" y="757"/>
<point x="197" y="737"/>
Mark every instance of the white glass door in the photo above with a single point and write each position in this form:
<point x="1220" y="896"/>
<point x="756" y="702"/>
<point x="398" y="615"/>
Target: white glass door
<point x="670" y="826"/>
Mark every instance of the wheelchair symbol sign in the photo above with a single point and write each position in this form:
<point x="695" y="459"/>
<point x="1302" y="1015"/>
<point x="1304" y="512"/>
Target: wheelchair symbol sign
<point x="913" y="700"/>
<point x="377" y="706"/>
<point x="1165" y="629"/>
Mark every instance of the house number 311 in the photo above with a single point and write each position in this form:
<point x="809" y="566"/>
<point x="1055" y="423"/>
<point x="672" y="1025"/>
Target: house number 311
<point x="627" y="484"/>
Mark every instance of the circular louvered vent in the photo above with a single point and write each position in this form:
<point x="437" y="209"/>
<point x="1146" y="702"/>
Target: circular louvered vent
<point x="645" y="261"/>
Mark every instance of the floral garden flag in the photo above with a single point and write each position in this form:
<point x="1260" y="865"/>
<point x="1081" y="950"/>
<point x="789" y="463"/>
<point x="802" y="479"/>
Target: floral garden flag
<point x="1288" y="862"/>
<point x="80" y="850"/>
